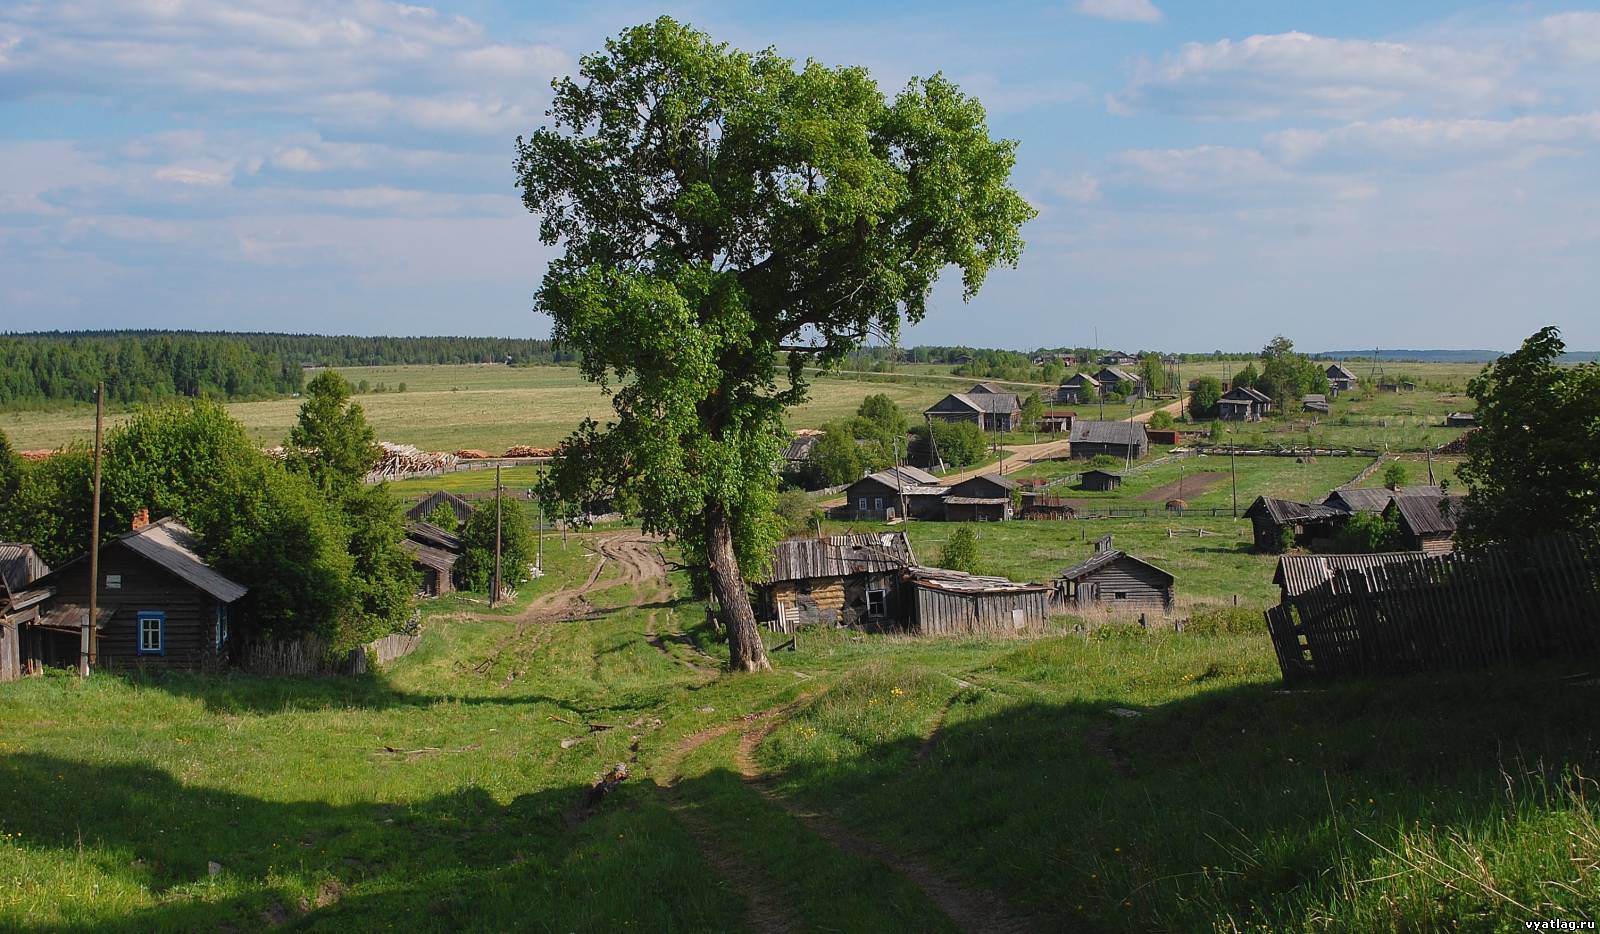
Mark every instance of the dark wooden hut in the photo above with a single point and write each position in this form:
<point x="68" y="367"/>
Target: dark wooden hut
<point x="1078" y="389"/>
<point x="991" y="411"/>
<point x="1307" y="523"/>
<point x="1117" y="439"/>
<point x="434" y="553"/>
<point x="1461" y="420"/>
<point x="1116" y="379"/>
<point x="984" y="498"/>
<point x="20" y="566"/>
<point x="839" y="580"/>
<point x="424" y="509"/>
<point x="953" y="603"/>
<point x="1243" y="404"/>
<point x="1427" y="523"/>
<point x="878" y="496"/>
<point x="1115" y="580"/>
<point x="1100" y="480"/>
<point x="1340" y="378"/>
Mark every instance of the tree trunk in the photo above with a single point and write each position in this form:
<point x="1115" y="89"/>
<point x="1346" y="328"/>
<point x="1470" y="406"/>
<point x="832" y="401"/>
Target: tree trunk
<point x="745" y="651"/>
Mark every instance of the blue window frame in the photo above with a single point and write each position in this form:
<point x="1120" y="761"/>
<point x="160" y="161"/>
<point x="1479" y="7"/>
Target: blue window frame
<point x="152" y="633"/>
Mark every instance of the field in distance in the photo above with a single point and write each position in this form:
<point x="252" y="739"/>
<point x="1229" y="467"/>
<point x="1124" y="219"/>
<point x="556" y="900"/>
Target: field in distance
<point x="486" y="406"/>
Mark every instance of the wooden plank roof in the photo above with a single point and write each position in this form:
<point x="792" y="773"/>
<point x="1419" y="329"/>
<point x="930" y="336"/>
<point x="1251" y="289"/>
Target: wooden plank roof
<point x="1286" y="511"/>
<point x="20" y="566"/>
<point x="839" y="556"/>
<point x="1100" y="559"/>
<point x="1374" y="499"/>
<point x="1089" y="432"/>
<point x="1428" y="515"/>
<point x="961" y="582"/>
<point x="436" y="558"/>
<point x="1297" y="574"/>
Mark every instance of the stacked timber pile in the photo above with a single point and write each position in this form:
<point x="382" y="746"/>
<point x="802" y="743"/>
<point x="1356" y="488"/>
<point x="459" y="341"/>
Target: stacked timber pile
<point x="37" y="454"/>
<point x="396" y="461"/>
<point x="523" y="450"/>
<point x="472" y="454"/>
<point x="1457" y="445"/>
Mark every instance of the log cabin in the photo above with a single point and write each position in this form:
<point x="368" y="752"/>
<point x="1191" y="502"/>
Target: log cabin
<point x="841" y="580"/>
<point x="1114" y="580"/>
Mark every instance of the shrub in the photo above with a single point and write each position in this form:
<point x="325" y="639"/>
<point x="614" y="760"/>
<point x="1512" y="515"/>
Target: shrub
<point x="795" y="512"/>
<point x="960" y="552"/>
<point x="1394" y="475"/>
<point x="1162" y="420"/>
<point x="1225" y="620"/>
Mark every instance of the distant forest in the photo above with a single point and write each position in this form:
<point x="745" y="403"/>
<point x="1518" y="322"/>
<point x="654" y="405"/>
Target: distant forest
<point x="46" y="368"/>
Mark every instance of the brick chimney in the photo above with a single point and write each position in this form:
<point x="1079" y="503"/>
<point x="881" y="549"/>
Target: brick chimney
<point x="141" y="519"/>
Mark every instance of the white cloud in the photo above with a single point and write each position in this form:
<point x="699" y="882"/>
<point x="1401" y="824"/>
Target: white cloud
<point x="1520" y="140"/>
<point x="205" y="173"/>
<point x="1573" y="37"/>
<point x="1122" y="11"/>
<point x="1081" y="188"/>
<point x="1297" y="74"/>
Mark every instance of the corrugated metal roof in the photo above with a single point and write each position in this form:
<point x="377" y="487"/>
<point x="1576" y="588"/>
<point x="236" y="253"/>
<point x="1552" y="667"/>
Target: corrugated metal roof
<point x="20" y="565"/>
<point x="1100" y="559"/>
<point x="839" y="556"/>
<point x="170" y="544"/>
<point x="1108" y="433"/>
<point x="1297" y="574"/>
<point x="1429" y="515"/>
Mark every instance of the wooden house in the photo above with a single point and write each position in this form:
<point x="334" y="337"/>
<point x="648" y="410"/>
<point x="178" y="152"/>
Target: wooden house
<point x="1307" y="523"/>
<point x="1103" y="481"/>
<point x="1340" y="378"/>
<point x="434" y="553"/>
<point x="1115" y="580"/>
<point x="1427" y="523"/>
<point x="839" y="580"/>
<point x="1315" y="402"/>
<point x="1374" y="499"/>
<point x="424" y="509"/>
<point x="20" y="566"/>
<point x="1243" y="404"/>
<point x="1078" y="389"/>
<point x="1121" y="440"/>
<point x="897" y="493"/>
<point x="984" y="498"/>
<point x="991" y="411"/>
<point x="939" y="602"/>
<point x="1115" y="379"/>
<point x="160" y="604"/>
<point x="1461" y="420"/>
<point x="1118" y="358"/>
<point x="992" y="389"/>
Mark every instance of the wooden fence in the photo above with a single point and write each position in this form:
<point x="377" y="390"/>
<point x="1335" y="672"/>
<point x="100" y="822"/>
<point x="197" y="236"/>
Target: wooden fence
<point x="309" y="656"/>
<point x="1468" y="609"/>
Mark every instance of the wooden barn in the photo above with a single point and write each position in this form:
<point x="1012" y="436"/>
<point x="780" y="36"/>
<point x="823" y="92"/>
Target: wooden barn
<point x="841" y="580"/>
<point x="1114" y="579"/>
<point x="434" y="553"/>
<point x="878" y="496"/>
<point x="1340" y="378"/>
<point x="985" y="498"/>
<point x="20" y="566"/>
<point x="1461" y="420"/>
<point x="1102" y="481"/>
<point x="1115" y="379"/>
<point x="160" y="604"/>
<point x="1078" y="390"/>
<point x="1121" y="440"/>
<point x="1427" y="523"/>
<point x="1243" y="404"/>
<point x="1374" y="499"/>
<point x="1307" y="523"/>
<point x="1315" y="402"/>
<point x="421" y="511"/>
<point x="991" y="411"/>
<point x="952" y="603"/>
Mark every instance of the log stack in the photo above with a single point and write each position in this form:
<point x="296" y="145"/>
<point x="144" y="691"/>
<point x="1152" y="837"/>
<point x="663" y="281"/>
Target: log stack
<point x="398" y="461"/>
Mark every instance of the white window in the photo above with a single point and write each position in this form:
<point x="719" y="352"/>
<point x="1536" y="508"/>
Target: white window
<point x="863" y="504"/>
<point x="877" y="603"/>
<point x="877" y="503"/>
<point x="152" y="628"/>
<point x="113" y="581"/>
<point x="222" y="625"/>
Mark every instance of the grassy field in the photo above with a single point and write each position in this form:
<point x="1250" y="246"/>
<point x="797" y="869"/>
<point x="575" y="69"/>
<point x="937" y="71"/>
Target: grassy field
<point x="445" y="408"/>
<point x="1117" y="780"/>
<point x="1206" y="481"/>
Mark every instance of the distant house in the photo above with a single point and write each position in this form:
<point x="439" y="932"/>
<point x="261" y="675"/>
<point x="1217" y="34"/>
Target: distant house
<point x="1427" y="523"/>
<point x="1315" y="402"/>
<point x="984" y="498"/>
<point x="1340" y="378"/>
<point x="1052" y="420"/>
<point x="797" y="453"/>
<point x="839" y="580"/>
<point x="1114" y="579"/>
<point x="434" y="553"/>
<point x="991" y="411"/>
<point x="159" y="604"/>
<point x="1374" y="499"/>
<point x="1115" y="379"/>
<point x="993" y="389"/>
<point x="1078" y="389"/>
<point x="1307" y="523"/>
<point x="877" y="496"/>
<point x="1461" y="420"/>
<point x="1118" y="358"/>
<point x="1243" y="404"/>
<point x="1100" y="480"/>
<point x="423" y="510"/>
<point x="1117" y="439"/>
<point x="1396" y="385"/>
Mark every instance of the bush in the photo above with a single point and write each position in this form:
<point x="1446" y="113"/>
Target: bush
<point x="795" y="511"/>
<point x="1162" y="420"/>
<point x="1203" y="401"/>
<point x="958" y="444"/>
<point x="960" y="552"/>
<point x="1225" y="620"/>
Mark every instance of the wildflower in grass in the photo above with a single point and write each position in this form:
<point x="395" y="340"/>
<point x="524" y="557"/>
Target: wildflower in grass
<point x="896" y="691"/>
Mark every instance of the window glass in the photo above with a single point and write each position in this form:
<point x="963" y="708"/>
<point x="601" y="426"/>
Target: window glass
<point x="876" y="603"/>
<point x="150" y="626"/>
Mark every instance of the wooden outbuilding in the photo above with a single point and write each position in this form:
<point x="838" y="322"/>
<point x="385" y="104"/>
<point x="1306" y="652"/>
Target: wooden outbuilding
<point x="1340" y="378"/>
<point x="1243" y="404"/>
<point x="425" y="509"/>
<point x="940" y="602"/>
<point x="1315" y="402"/>
<point x="1114" y="579"/>
<point x="991" y="411"/>
<point x="984" y="498"/>
<point x="839" y="580"/>
<point x="1121" y="440"/>
<point x="1053" y="420"/>
<point x="20" y="566"/>
<point x="1427" y="523"/>
<point x="434" y="553"/>
<point x="1102" y="481"/>
<point x="1375" y="498"/>
<point x="1461" y="420"/>
<point x="1306" y="523"/>
<point x="159" y="605"/>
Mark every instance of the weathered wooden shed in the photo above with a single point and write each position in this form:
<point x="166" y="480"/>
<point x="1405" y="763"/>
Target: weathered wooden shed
<point x="1308" y="523"/>
<point x="952" y="603"/>
<point x="1374" y="499"/>
<point x="1056" y="420"/>
<point x="991" y="411"/>
<point x="1116" y="439"/>
<point x="20" y="566"/>
<point x="838" y="580"/>
<point x="1340" y="378"/>
<point x="984" y="498"/>
<point x="160" y="604"/>
<point x="1114" y="579"/>
<point x="1315" y="402"/>
<point x="1100" y="480"/>
<point x="434" y="553"/>
<point x="422" y="510"/>
<point x="1461" y="420"/>
<point x="1427" y="523"/>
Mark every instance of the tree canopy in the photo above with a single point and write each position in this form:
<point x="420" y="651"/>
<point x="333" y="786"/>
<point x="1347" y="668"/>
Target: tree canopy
<point x="716" y="209"/>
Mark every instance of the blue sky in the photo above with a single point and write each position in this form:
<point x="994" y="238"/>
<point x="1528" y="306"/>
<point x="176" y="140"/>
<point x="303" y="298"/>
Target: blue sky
<point x="1352" y="174"/>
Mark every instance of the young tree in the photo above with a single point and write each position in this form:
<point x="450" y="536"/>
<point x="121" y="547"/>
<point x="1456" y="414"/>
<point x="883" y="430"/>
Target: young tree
<point x="1161" y="420"/>
<point x="10" y="471"/>
<point x="331" y="441"/>
<point x="960" y="551"/>
<point x="836" y="458"/>
<point x="716" y="209"/>
<point x="1032" y="410"/>
<point x="958" y="443"/>
<point x="1247" y="376"/>
<point x="1203" y="401"/>
<point x="1151" y="371"/>
<point x="517" y="547"/>
<point x="1394" y="475"/>
<point x="795" y="511"/>
<point x="1533" y="464"/>
<point x="880" y="411"/>
<point x="444" y="517"/>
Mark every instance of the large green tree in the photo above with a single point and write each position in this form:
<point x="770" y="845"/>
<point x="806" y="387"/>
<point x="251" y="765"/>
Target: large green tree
<point x="716" y="209"/>
<point x="1533" y="463"/>
<point x="518" y="547"/>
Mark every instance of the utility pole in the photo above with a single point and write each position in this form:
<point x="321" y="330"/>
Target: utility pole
<point x="1233" y="467"/>
<point x="89" y="640"/>
<point x="494" y="583"/>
